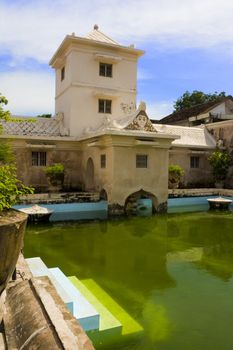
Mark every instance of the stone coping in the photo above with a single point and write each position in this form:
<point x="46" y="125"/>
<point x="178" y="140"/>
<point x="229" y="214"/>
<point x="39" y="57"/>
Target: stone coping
<point x="198" y="192"/>
<point x="63" y="197"/>
<point x="34" y="314"/>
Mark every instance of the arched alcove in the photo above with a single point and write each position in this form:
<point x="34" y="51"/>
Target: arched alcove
<point x="132" y="200"/>
<point x="103" y="195"/>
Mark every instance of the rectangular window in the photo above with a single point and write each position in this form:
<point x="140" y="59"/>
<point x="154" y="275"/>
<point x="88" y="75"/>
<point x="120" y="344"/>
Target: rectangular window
<point x="105" y="70"/>
<point x="39" y="158"/>
<point x="103" y="160"/>
<point x="194" y="162"/>
<point x="105" y="106"/>
<point x="62" y="73"/>
<point x="141" y="160"/>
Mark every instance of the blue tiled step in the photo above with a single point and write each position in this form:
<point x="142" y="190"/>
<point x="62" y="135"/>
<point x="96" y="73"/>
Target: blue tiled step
<point x="83" y="311"/>
<point x="38" y="269"/>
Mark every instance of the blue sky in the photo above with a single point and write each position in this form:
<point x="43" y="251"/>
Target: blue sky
<point x="188" y="44"/>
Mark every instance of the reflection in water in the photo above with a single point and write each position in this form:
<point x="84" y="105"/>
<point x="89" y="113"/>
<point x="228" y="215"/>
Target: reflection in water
<point x="156" y="322"/>
<point x="191" y="255"/>
<point x="172" y="273"/>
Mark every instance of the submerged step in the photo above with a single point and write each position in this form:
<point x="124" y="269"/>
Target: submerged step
<point x="83" y="311"/>
<point x="129" y="325"/>
<point x="109" y="325"/>
<point x="39" y="269"/>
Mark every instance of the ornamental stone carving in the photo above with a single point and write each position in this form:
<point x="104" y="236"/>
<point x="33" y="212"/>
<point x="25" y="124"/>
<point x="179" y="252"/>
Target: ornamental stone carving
<point x="128" y="108"/>
<point x="141" y="122"/>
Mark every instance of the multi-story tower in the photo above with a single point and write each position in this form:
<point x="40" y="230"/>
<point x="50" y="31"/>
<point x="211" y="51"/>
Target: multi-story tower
<point x="95" y="78"/>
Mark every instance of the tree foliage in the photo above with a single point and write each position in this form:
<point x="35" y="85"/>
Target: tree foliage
<point x="220" y="162"/>
<point x="6" y="154"/>
<point x="5" y="115"/>
<point x="188" y="99"/>
<point x="44" y="116"/>
<point x="175" y="172"/>
<point x="11" y="188"/>
<point x="55" y="173"/>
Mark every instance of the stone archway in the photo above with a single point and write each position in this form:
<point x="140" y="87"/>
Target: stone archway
<point x="103" y="195"/>
<point x="90" y="184"/>
<point x="131" y="202"/>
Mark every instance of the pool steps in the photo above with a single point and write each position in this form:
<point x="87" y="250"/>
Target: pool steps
<point x="82" y="310"/>
<point x="109" y="325"/>
<point x="129" y="325"/>
<point x="38" y="269"/>
<point x="98" y="313"/>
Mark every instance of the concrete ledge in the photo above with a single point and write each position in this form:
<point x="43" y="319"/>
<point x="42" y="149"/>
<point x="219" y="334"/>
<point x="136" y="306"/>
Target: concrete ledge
<point x="195" y="192"/>
<point x="35" y="315"/>
<point x="66" y="197"/>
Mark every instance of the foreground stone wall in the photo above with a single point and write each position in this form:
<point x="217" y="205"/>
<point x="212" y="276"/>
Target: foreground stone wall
<point x="36" y="317"/>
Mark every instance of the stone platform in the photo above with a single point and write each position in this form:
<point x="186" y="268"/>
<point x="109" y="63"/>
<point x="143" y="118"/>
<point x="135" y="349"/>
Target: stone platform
<point x="36" y="317"/>
<point x="219" y="203"/>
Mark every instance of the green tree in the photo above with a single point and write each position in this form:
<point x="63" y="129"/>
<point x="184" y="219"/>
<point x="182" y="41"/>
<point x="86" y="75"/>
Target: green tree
<point x="44" y="116"/>
<point x="55" y="173"/>
<point x="188" y="99"/>
<point x="11" y="188"/>
<point x="5" y="115"/>
<point x="6" y="154"/>
<point x="175" y="172"/>
<point x="220" y="162"/>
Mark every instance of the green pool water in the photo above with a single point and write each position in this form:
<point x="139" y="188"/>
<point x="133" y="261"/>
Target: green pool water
<point x="172" y="273"/>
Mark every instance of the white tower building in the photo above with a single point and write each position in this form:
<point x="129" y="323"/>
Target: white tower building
<point x="96" y="78"/>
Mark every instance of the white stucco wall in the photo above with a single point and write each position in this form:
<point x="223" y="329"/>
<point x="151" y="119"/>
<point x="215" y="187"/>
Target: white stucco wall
<point x="77" y="95"/>
<point x="220" y="109"/>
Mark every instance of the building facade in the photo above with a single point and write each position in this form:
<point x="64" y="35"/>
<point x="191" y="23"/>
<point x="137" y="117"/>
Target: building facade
<point x="106" y="143"/>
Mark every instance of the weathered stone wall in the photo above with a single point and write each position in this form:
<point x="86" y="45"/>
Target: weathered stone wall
<point x="194" y="177"/>
<point x="36" y="317"/>
<point x="121" y="178"/>
<point x="223" y="133"/>
<point x="66" y="152"/>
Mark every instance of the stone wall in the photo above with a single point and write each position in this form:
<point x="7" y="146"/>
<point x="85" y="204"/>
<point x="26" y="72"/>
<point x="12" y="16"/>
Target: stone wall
<point x="66" y="152"/>
<point x="193" y="177"/>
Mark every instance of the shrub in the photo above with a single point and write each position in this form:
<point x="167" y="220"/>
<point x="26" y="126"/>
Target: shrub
<point x="174" y="175"/>
<point x="220" y="162"/>
<point x="55" y="173"/>
<point x="10" y="187"/>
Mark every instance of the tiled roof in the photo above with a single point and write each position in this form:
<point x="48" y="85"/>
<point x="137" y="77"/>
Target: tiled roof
<point x="29" y="127"/>
<point x="192" y="112"/>
<point x="97" y="35"/>
<point x="189" y="136"/>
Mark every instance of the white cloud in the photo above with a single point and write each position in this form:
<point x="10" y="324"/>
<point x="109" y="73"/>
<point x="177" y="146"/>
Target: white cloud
<point x="36" y="28"/>
<point x="160" y="109"/>
<point x="28" y="93"/>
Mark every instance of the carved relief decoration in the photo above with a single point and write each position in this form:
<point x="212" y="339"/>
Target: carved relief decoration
<point x="128" y="108"/>
<point x="141" y="122"/>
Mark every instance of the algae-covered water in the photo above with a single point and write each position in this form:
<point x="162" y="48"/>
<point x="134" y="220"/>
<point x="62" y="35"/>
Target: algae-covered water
<point x="171" y="273"/>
